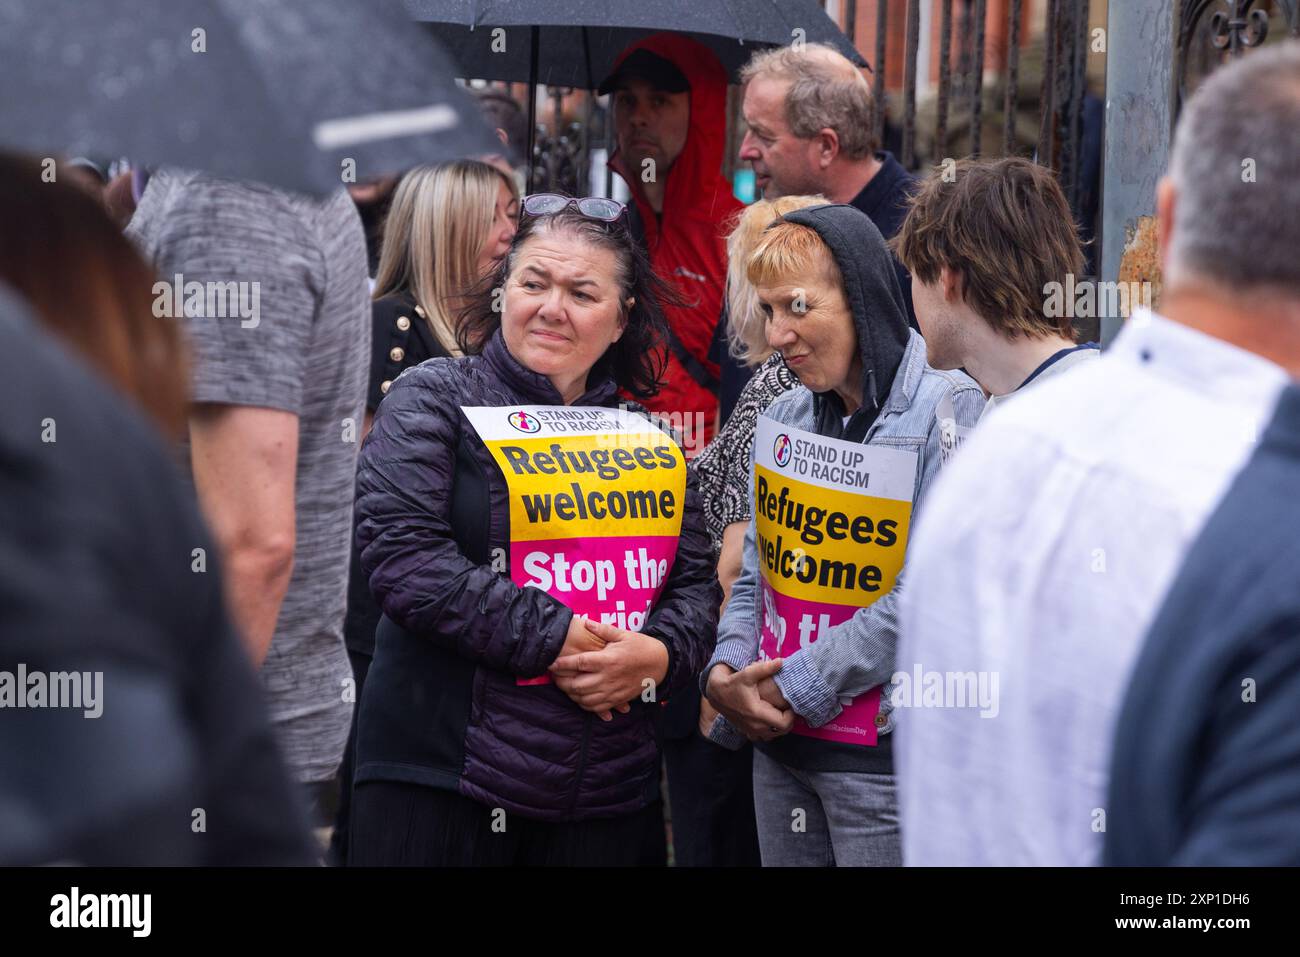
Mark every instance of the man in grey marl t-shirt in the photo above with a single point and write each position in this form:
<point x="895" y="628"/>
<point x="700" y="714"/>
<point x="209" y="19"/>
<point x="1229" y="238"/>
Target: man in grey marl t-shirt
<point x="277" y="313"/>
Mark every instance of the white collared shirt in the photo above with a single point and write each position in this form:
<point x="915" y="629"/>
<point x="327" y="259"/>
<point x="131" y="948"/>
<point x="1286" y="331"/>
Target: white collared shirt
<point x="1043" y="553"/>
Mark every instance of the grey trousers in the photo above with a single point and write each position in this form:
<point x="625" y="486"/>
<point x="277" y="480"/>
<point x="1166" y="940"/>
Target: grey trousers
<point x="825" y="818"/>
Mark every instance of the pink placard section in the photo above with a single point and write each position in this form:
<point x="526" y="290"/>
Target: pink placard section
<point x="615" y="580"/>
<point x="789" y="624"/>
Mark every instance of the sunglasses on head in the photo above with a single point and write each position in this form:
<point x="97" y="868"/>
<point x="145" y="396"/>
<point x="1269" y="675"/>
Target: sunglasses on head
<point x="593" y="207"/>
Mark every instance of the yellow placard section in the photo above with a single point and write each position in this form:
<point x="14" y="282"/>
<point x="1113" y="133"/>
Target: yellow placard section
<point x="593" y="485"/>
<point x="817" y="544"/>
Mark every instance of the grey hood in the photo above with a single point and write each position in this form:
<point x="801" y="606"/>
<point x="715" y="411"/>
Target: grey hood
<point x="879" y="311"/>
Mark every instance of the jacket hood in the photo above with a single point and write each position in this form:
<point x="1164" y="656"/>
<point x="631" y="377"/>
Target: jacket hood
<point x="696" y="187"/>
<point x="876" y="302"/>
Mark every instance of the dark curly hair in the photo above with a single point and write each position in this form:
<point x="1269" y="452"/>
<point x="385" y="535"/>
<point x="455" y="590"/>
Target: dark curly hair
<point x="636" y="361"/>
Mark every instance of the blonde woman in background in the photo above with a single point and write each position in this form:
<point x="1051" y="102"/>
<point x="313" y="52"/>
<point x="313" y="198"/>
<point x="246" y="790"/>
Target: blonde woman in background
<point x="711" y="789"/>
<point x="447" y="229"/>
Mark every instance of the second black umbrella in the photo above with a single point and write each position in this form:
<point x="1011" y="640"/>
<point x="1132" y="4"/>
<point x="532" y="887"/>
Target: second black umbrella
<point x="301" y="94"/>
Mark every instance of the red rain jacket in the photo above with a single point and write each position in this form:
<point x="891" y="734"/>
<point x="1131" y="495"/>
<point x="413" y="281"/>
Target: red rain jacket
<point x="689" y="249"/>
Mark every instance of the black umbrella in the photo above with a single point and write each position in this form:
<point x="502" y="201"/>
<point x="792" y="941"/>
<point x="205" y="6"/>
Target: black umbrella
<point x="284" y="92"/>
<point x="578" y="41"/>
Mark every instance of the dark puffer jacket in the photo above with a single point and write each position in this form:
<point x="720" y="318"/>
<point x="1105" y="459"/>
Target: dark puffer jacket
<point x="441" y="706"/>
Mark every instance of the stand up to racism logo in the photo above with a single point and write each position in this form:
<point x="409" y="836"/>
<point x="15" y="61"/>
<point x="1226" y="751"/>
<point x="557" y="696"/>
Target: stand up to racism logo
<point x="782" y="449"/>
<point x="524" y="422"/>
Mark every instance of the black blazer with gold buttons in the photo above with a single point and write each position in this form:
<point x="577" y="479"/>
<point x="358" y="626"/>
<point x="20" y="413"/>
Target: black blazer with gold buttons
<point x="402" y="338"/>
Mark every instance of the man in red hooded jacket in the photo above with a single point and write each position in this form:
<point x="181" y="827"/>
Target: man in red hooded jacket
<point x="669" y="109"/>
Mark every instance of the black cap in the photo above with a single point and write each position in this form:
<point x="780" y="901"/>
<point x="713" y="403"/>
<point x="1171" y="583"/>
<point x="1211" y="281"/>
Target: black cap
<point x="660" y="73"/>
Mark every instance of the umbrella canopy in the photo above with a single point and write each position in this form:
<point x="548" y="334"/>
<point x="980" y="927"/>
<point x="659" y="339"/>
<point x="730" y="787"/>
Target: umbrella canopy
<point x="284" y="92"/>
<point x="579" y="40"/>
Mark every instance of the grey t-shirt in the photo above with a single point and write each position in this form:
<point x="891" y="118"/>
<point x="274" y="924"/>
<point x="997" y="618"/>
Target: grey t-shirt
<point x="298" y="341"/>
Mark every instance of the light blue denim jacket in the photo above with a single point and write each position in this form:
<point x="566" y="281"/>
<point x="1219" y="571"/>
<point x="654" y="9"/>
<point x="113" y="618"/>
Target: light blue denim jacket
<point x="857" y="655"/>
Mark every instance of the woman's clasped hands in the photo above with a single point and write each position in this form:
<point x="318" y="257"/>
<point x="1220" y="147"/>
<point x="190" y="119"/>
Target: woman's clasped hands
<point x="602" y="668"/>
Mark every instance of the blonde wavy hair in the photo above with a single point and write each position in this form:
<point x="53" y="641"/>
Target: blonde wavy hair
<point x="437" y="224"/>
<point x="746" y="335"/>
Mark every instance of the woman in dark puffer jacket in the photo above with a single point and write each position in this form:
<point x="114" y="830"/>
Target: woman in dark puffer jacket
<point x="496" y="725"/>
